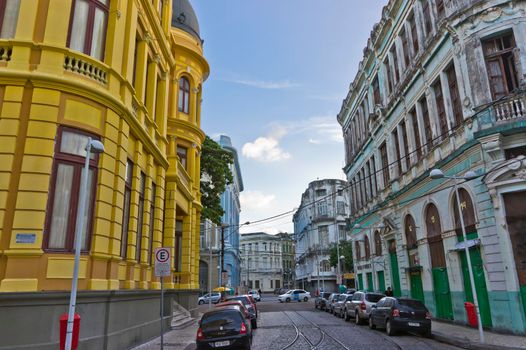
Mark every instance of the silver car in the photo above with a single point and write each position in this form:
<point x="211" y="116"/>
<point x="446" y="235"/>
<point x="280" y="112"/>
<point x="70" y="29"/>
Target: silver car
<point x="204" y="299"/>
<point x="359" y="307"/>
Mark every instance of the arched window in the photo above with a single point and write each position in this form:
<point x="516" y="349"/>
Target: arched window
<point x="367" y="247"/>
<point x="434" y="236"/>
<point x="357" y="248"/>
<point x="468" y="212"/>
<point x="378" y="243"/>
<point x="184" y="95"/>
<point x="410" y="232"/>
<point x="325" y="266"/>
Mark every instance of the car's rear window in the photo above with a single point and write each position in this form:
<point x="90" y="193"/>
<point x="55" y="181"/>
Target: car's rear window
<point x="373" y="298"/>
<point x="414" y="304"/>
<point x="242" y="299"/>
<point x="326" y="295"/>
<point x="217" y="319"/>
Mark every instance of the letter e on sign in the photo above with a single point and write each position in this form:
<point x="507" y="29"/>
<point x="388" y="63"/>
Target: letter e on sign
<point x="162" y="262"/>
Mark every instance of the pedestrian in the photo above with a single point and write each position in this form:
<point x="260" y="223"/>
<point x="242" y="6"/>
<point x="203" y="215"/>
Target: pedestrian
<point x="388" y="292"/>
<point x="259" y="291"/>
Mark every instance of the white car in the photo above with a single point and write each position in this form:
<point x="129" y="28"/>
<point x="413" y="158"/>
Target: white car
<point x="205" y="299"/>
<point x="255" y="295"/>
<point x="294" y="294"/>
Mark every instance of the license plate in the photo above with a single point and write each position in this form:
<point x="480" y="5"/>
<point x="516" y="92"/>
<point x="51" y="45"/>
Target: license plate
<point x="413" y="324"/>
<point x="219" y="344"/>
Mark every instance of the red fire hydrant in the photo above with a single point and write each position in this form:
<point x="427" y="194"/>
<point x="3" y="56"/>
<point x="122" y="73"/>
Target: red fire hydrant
<point x="64" y="328"/>
<point x="472" y="314"/>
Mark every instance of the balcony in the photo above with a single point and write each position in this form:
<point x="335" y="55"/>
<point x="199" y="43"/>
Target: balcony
<point x="183" y="177"/>
<point x="510" y="109"/>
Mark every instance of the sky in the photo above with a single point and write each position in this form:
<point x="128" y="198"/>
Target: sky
<point x="279" y="72"/>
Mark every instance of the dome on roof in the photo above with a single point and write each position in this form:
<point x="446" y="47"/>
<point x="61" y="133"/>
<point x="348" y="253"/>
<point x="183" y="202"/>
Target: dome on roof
<point x="183" y="17"/>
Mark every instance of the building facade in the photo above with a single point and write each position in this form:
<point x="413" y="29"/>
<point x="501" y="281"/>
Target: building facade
<point x="319" y="224"/>
<point x="288" y="259"/>
<point x="232" y="207"/>
<point x="127" y="73"/>
<point x="441" y="85"/>
<point x="261" y="261"/>
<point x="209" y="252"/>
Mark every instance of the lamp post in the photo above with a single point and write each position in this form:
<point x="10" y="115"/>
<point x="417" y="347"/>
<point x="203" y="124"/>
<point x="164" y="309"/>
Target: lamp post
<point x="470" y="175"/>
<point x="341" y="257"/>
<point x="93" y="146"/>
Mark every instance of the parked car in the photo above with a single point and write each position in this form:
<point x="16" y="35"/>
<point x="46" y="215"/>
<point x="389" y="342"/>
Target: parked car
<point x="321" y="301"/>
<point x="253" y="301"/>
<point x="226" y="328"/>
<point x="255" y="295"/>
<point x="249" y="315"/>
<point x="351" y="291"/>
<point x="339" y="306"/>
<point x="330" y="301"/>
<point x="204" y="299"/>
<point x="401" y="314"/>
<point x="359" y="307"/>
<point x="245" y="299"/>
<point x="294" y="294"/>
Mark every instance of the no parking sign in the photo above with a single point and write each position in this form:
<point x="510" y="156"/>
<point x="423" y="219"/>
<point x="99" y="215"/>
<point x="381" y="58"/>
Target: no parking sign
<point x="162" y="262"/>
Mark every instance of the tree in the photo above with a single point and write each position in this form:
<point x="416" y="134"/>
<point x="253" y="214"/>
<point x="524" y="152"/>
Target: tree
<point x="215" y="176"/>
<point x="346" y="251"/>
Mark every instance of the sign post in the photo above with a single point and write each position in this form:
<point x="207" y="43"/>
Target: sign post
<point x="162" y="269"/>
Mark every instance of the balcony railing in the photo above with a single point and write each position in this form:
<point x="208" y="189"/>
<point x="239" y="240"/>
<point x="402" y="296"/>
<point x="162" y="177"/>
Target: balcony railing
<point x="513" y="107"/>
<point x="84" y="66"/>
<point x="183" y="175"/>
<point x="5" y="53"/>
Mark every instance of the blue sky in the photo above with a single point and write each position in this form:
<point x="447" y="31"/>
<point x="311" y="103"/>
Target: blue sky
<point x="279" y="72"/>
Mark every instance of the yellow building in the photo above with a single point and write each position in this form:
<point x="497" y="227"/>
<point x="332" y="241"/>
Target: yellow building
<point x="128" y="73"/>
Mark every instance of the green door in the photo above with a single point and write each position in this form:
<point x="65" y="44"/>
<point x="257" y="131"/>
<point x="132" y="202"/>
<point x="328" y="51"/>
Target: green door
<point x="360" y="281"/>
<point x="397" y="291"/>
<point x="370" y="286"/>
<point x="442" y="293"/>
<point x="381" y="281"/>
<point x="417" y="291"/>
<point x="480" y="284"/>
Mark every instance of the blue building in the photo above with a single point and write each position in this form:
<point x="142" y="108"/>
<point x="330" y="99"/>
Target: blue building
<point x="231" y="206"/>
<point x="442" y="86"/>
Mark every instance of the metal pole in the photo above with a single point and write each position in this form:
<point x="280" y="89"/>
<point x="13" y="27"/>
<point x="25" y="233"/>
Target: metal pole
<point x="222" y="254"/>
<point x="373" y="256"/>
<point x="162" y="313"/>
<point x="78" y="246"/>
<point x="210" y="271"/>
<point x="338" y="256"/>
<point x="470" y="268"/>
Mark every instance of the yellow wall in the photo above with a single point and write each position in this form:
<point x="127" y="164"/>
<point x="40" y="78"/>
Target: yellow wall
<point x="40" y="90"/>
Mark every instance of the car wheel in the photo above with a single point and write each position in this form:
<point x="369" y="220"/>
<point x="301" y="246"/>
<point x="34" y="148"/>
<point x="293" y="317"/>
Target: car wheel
<point x="305" y="299"/>
<point x="389" y="328"/>
<point x="371" y="323"/>
<point x="254" y="324"/>
<point x="342" y="315"/>
<point x="357" y="318"/>
<point x="201" y="302"/>
<point x="347" y="317"/>
<point x="287" y="300"/>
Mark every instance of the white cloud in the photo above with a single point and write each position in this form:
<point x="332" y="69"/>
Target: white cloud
<point x="265" y="149"/>
<point x="251" y="200"/>
<point x="261" y="84"/>
<point x="319" y="130"/>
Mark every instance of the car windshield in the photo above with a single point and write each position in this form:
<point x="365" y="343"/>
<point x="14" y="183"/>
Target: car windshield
<point x="289" y="292"/>
<point x="373" y="298"/>
<point x="413" y="304"/>
<point x="217" y="319"/>
<point x="242" y="299"/>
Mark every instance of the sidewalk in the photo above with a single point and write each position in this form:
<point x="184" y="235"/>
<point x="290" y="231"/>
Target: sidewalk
<point x="468" y="338"/>
<point x="175" y="339"/>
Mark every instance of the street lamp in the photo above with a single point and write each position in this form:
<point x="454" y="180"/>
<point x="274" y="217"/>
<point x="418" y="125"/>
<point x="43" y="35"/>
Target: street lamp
<point x="93" y="146"/>
<point x="470" y="175"/>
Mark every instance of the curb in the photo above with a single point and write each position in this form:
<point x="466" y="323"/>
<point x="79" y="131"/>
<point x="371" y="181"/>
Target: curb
<point x="467" y="344"/>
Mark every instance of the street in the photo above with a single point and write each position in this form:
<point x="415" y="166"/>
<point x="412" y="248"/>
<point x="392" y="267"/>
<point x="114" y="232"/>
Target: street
<point x="298" y="325"/>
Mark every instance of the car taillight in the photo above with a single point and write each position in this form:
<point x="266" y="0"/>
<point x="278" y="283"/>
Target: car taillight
<point x="396" y="313"/>
<point x="428" y="315"/>
<point x="363" y="306"/>
<point x="243" y="328"/>
<point x="200" y="335"/>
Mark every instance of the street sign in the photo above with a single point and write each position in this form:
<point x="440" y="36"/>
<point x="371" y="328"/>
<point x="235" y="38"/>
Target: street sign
<point x="162" y="262"/>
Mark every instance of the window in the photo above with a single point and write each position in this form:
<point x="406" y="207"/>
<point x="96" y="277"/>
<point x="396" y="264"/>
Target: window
<point x="410" y="232"/>
<point x="342" y="233"/>
<point x="140" y="219"/>
<point x="264" y="246"/>
<point x="416" y="132"/>
<point x="64" y="192"/>
<point x="441" y="10"/>
<point x="152" y="221"/>
<point x="182" y="152"/>
<point x="8" y="18"/>
<point x="406" y="145"/>
<point x="377" y="98"/>
<point x="323" y="232"/>
<point x="87" y="30"/>
<point x="396" y="75"/>
<point x="184" y="95"/>
<point x="405" y="47"/>
<point x="357" y="249"/>
<point x="511" y="153"/>
<point x="385" y="164"/>
<point x="178" y="263"/>
<point x="373" y="173"/>
<point x="441" y="110"/>
<point x="126" y="209"/>
<point x="320" y="193"/>
<point x="426" y="9"/>
<point x="414" y="33"/>
<point x="455" y="97"/>
<point x="322" y="208"/>
<point x="367" y="247"/>
<point x="389" y="76"/>
<point x="397" y="150"/>
<point x="427" y="122"/>
<point x="340" y="208"/>
<point x="377" y="243"/>
<point x="325" y="266"/>
<point x="500" y="63"/>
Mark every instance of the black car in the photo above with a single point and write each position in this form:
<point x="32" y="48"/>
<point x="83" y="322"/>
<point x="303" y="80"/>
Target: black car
<point x="401" y="314"/>
<point x="225" y="328"/>
<point x="252" y="311"/>
<point x="321" y="301"/>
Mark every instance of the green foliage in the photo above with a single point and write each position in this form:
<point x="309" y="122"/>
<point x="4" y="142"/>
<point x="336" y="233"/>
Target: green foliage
<point x="346" y="251"/>
<point x="215" y="175"/>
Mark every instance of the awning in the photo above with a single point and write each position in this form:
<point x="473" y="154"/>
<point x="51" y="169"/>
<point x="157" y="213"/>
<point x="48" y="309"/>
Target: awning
<point x="470" y="243"/>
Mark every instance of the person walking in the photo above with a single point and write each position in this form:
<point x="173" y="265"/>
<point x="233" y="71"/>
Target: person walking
<point x="388" y="292"/>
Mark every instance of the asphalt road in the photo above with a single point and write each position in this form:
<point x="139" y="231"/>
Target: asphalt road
<point x="298" y="325"/>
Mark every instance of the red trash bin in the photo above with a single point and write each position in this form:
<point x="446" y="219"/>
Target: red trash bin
<point x="64" y="328"/>
<point x="472" y="314"/>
